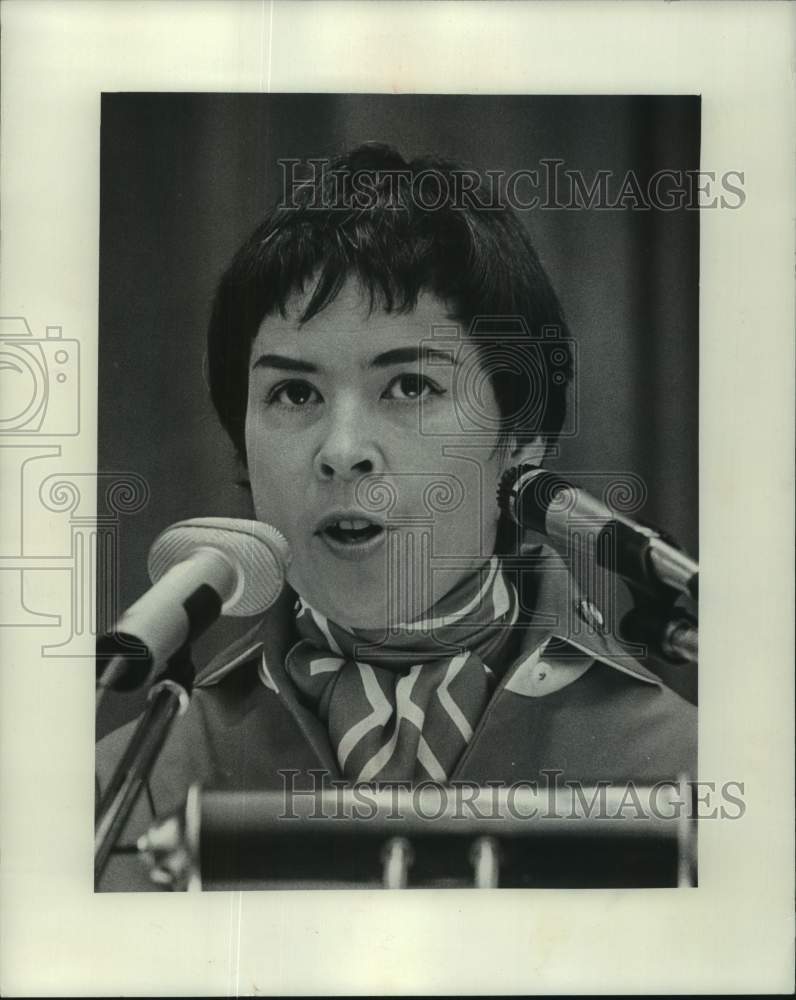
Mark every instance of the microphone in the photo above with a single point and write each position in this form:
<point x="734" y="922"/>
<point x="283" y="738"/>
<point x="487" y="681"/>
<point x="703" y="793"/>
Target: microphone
<point x="200" y="568"/>
<point x="567" y="515"/>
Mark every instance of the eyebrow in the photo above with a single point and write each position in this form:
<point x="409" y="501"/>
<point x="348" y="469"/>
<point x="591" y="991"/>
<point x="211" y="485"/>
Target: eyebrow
<point x="283" y="363"/>
<point x="396" y="356"/>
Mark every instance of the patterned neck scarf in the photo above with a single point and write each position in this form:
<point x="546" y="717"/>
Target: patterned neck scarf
<point x="403" y="705"/>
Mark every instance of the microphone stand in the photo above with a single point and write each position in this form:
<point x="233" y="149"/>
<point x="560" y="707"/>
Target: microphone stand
<point x="655" y="569"/>
<point x="670" y="632"/>
<point x="663" y="575"/>
<point x="168" y="699"/>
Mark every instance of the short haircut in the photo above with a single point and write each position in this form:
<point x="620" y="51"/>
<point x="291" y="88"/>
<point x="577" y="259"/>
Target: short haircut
<point x="400" y="228"/>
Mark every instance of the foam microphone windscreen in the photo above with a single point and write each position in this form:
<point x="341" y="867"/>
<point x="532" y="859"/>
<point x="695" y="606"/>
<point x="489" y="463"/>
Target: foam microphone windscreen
<point x="257" y="552"/>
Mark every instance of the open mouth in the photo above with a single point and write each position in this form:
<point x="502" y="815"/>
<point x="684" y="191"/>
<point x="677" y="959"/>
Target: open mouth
<point x="352" y="532"/>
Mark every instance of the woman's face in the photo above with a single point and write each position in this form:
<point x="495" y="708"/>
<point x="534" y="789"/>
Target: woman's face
<point x="351" y="421"/>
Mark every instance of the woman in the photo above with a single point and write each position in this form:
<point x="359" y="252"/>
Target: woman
<point x="381" y="350"/>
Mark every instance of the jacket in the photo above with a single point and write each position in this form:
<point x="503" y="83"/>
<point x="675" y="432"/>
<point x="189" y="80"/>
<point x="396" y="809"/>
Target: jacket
<point x="573" y="702"/>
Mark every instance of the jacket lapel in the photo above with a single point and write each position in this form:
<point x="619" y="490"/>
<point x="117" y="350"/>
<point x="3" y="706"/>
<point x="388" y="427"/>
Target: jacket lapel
<point x="268" y="643"/>
<point x="561" y="641"/>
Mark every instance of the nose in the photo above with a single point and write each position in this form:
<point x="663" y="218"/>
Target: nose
<point x="348" y="449"/>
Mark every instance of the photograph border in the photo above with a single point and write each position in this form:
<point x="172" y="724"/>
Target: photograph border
<point x="733" y="934"/>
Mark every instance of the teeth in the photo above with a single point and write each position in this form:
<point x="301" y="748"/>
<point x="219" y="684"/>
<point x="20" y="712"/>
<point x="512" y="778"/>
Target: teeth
<point x="355" y="525"/>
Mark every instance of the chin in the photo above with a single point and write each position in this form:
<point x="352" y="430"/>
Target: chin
<point x="372" y="596"/>
<point x="359" y="608"/>
<point x="362" y="613"/>
<point x="349" y="606"/>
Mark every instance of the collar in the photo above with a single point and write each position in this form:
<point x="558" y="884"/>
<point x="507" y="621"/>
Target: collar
<point x="567" y="616"/>
<point x="565" y="621"/>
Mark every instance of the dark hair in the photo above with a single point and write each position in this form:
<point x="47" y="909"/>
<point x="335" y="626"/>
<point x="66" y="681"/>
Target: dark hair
<point x="400" y="228"/>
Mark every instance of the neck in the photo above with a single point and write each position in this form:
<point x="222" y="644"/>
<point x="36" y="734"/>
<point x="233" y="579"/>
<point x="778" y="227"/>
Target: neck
<point x="477" y="614"/>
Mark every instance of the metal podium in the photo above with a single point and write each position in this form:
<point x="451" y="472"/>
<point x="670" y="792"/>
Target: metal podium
<point x="603" y="836"/>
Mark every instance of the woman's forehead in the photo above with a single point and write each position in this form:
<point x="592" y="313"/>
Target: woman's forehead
<point x="349" y="324"/>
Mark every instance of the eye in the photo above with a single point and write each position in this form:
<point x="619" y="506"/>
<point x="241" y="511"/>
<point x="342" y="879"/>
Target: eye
<point x="293" y="394"/>
<point x="411" y="386"/>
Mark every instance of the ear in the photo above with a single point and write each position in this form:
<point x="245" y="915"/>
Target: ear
<point x="517" y="453"/>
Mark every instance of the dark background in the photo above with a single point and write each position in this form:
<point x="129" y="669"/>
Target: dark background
<point x="186" y="177"/>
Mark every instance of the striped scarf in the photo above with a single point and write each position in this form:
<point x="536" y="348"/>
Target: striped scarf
<point x="403" y="705"/>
